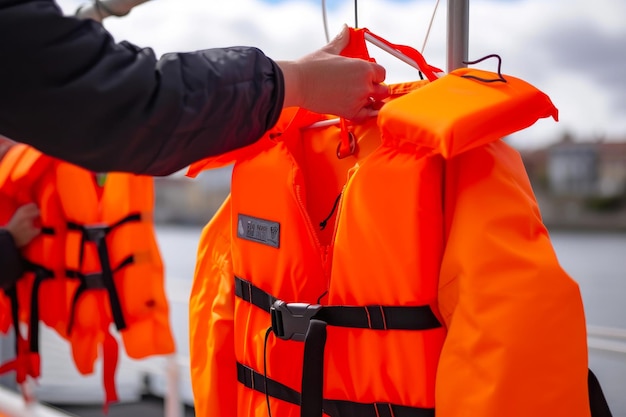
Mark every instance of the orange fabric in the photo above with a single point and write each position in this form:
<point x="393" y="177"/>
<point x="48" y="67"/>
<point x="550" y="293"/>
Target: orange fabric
<point x="516" y="327"/>
<point x="21" y="182"/>
<point x="433" y="210"/>
<point x="308" y="260"/>
<point x="478" y="113"/>
<point x="25" y="363"/>
<point x="5" y="316"/>
<point x="211" y="326"/>
<point x="147" y="310"/>
<point x="356" y="49"/>
<point x="110" y="352"/>
<point x="499" y="266"/>
<point x="68" y="194"/>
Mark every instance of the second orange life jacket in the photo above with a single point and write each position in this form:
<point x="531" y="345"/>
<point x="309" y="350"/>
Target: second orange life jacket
<point x="102" y="261"/>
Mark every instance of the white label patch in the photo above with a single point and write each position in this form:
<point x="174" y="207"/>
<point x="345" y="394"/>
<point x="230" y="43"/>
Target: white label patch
<point x="258" y="230"/>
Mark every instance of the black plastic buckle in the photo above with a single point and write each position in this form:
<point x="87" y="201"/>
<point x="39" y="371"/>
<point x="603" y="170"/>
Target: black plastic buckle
<point x="94" y="281"/>
<point x="95" y="232"/>
<point x="290" y="321"/>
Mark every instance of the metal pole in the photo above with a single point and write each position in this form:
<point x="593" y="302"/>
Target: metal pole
<point x="7" y="352"/>
<point x="458" y="33"/>
<point x="101" y="9"/>
<point x="174" y="407"/>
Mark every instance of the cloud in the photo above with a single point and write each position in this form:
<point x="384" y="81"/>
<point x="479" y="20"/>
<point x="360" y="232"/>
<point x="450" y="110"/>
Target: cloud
<point x="583" y="49"/>
<point x="573" y="50"/>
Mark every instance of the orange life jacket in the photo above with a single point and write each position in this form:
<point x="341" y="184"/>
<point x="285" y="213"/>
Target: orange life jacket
<point x="414" y="266"/>
<point x="103" y="257"/>
<point x="23" y="180"/>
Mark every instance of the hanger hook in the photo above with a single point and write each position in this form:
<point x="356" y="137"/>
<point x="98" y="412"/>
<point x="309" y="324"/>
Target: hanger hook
<point x="485" y="80"/>
<point x="325" y="20"/>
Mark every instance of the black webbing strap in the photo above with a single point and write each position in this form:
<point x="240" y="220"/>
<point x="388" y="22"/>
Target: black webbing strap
<point x="597" y="401"/>
<point x="254" y="295"/>
<point x="375" y="317"/>
<point x="41" y="274"/>
<point x="352" y="409"/>
<point x="45" y="230"/>
<point x="97" y="234"/>
<point x="313" y="370"/>
<point x="307" y="322"/>
<point x="12" y="294"/>
<point x="256" y="381"/>
<point x="334" y="408"/>
<point x="380" y="317"/>
<point x="91" y="282"/>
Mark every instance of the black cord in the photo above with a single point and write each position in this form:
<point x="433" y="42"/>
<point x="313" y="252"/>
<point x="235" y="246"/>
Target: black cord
<point x="485" y="80"/>
<point x="356" y="14"/>
<point x="267" y="396"/>
<point x="325" y="221"/>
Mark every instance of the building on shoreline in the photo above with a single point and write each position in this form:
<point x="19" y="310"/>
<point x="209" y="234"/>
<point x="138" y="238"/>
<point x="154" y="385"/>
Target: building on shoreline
<point x="192" y="201"/>
<point x="578" y="184"/>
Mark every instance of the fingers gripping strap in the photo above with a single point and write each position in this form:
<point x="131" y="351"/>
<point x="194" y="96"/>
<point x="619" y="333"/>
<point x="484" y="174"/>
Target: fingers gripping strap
<point x="428" y="70"/>
<point x="358" y="49"/>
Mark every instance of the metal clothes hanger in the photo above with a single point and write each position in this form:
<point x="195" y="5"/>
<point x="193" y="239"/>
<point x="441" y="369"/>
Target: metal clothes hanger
<point x="486" y="80"/>
<point x="392" y="49"/>
<point x="404" y="53"/>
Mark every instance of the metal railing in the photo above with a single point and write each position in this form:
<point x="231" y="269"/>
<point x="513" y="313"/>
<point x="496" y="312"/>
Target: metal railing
<point x="12" y="404"/>
<point x="611" y="339"/>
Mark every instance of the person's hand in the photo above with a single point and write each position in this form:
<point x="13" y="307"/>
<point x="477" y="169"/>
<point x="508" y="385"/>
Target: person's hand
<point x="325" y="82"/>
<point x="22" y="224"/>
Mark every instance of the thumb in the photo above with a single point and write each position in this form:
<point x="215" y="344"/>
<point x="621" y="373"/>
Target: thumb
<point x="29" y="210"/>
<point x="340" y="41"/>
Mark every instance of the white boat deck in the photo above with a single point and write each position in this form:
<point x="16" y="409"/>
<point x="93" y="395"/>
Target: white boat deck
<point x="165" y="377"/>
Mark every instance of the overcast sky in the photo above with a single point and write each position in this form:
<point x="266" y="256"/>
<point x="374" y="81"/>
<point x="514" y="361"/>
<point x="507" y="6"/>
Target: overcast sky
<point x="573" y="50"/>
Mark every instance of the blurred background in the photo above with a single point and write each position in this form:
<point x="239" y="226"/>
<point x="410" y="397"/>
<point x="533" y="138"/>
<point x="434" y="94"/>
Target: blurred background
<point x="574" y="51"/>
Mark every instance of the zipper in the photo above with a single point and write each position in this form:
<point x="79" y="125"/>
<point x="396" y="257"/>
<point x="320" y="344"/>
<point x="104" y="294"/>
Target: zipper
<point x="330" y="248"/>
<point x="325" y="251"/>
<point x="324" y="222"/>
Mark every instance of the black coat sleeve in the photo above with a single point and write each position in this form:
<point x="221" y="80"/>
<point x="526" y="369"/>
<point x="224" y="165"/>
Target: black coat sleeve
<point x="68" y="89"/>
<point x="11" y="266"/>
